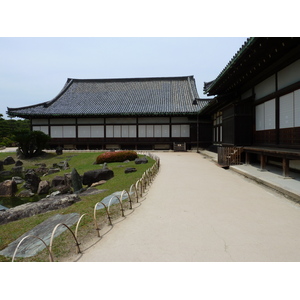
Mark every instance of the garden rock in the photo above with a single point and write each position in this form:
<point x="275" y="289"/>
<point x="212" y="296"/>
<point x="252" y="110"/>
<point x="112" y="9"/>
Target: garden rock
<point x="53" y="170"/>
<point x="68" y="180"/>
<point x="42" y="165"/>
<point x="58" y="180"/>
<point x="63" y="165"/>
<point x="142" y="160"/>
<point x="25" y="194"/>
<point x="17" y="169"/>
<point x="8" y="188"/>
<point x="9" y="161"/>
<point x="44" y="187"/>
<point x="33" y="208"/>
<point x="6" y="173"/>
<point x="90" y="177"/>
<point x="130" y="170"/>
<point x="17" y="179"/>
<point x="62" y="189"/>
<point x="31" y="247"/>
<point x="54" y="194"/>
<point x="32" y="181"/>
<point x="98" y="183"/>
<point x="1" y="165"/>
<point x="42" y="171"/>
<point x="18" y="163"/>
<point x="76" y="180"/>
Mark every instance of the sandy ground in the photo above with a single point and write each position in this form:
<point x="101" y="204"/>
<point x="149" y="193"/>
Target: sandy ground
<point x="197" y="212"/>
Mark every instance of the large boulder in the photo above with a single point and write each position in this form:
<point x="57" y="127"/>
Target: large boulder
<point x="58" y="180"/>
<point x="44" y="187"/>
<point x="53" y="170"/>
<point x="142" y="160"/>
<point x="6" y="173"/>
<point x="68" y="179"/>
<point x="76" y="181"/>
<point x="32" y="181"/>
<point x="9" y="161"/>
<point x="8" y="188"/>
<point x="90" y="177"/>
<point x="18" y="163"/>
<point x="130" y="170"/>
<point x="1" y="165"/>
<point x="18" y="179"/>
<point x="17" y="169"/>
<point x="61" y="184"/>
<point x="33" y="208"/>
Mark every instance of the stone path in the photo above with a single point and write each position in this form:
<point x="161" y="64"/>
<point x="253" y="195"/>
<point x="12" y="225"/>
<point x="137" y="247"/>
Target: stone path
<point x="197" y="212"/>
<point x="32" y="246"/>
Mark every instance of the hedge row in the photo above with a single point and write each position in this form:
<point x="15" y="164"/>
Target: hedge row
<point x="118" y="156"/>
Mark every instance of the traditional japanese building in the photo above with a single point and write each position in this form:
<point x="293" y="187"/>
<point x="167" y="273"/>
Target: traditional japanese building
<point x="256" y="109"/>
<point x="136" y="113"/>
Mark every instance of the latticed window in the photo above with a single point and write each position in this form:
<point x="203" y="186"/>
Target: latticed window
<point x="217" y="128"/>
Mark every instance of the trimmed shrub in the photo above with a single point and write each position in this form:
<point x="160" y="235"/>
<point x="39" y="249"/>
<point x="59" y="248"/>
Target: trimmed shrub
<point x="118" y="156"/>
<point x="32" y="143"/>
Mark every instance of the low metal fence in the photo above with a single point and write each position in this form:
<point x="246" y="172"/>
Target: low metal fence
<point x="136" y="192"/>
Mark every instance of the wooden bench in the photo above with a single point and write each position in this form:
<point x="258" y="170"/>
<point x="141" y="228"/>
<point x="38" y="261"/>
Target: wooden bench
<point x="69" y="147"/>
<point x="112" y="147"/>
<point x="264" y="152"/>
<point x="161" y="147"/>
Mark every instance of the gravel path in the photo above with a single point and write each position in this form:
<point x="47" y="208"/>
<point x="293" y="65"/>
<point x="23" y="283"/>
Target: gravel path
<point x="196" y="211"/>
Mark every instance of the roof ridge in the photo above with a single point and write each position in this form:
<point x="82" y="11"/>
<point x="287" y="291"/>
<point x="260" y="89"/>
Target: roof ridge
<point x="129" y="79"/>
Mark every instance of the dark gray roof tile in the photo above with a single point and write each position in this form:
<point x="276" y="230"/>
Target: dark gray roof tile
<point x="150" y="96"/>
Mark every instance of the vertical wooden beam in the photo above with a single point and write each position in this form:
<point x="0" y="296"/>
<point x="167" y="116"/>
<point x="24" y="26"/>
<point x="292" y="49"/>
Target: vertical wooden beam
<point x="285" y="167"/>
<point x="247" y="158"/>
<point x="263" y="161"/>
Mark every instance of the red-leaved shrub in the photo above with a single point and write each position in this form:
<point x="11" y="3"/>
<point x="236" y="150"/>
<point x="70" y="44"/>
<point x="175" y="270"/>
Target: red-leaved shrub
<point x="118" y="156"/>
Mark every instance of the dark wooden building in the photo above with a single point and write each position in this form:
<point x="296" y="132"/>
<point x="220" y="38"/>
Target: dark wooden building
<point x="136" y="113"/>
<point x="257" y="102"/>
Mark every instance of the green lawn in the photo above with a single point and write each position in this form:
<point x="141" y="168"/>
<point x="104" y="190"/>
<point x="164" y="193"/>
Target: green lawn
<point x="82" y="162"/>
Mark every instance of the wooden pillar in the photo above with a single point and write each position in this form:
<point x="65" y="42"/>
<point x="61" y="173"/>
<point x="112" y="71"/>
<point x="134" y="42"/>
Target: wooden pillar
<point x="263" y="161"/>
<point x="247" y="158"/>
<point x="285" y="167"/>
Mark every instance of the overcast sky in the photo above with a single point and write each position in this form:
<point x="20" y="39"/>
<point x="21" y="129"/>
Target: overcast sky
<point x="34" y="69"/>
<point x="123" y="39"/>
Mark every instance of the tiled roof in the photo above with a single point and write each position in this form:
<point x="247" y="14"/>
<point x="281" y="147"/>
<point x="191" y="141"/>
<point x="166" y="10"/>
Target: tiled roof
<point x="252" y="60"/>
<point x="136" y="96"/>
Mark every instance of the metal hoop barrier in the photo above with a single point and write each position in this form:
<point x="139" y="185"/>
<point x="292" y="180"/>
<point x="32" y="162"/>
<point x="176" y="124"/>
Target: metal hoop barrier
<point x="76" y="241"/>
<point x="130" y="201"/>
<point x="145" y="180"/>
<point x="76" y="230"/>
<point x="50" y="254"/>
<point x="95" y="219"/>
<point x="139" y="190"/>
<point x="135" y="192"/>
<point x="122" y="209"/>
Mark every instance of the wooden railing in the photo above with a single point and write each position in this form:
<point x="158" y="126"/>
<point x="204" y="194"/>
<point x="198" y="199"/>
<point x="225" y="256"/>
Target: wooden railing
<point x="229" y="156"/>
